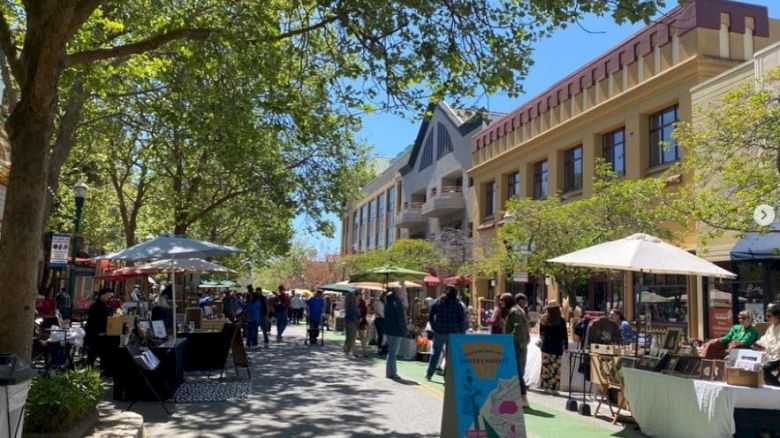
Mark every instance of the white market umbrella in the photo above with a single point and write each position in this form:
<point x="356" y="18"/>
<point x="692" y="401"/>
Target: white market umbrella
<point x="654" y="298"/>
<point x="184" y="265"/>
<point x="642" y="253"/>
<point x="172" y="248"/>
<point x="370" y="285"/>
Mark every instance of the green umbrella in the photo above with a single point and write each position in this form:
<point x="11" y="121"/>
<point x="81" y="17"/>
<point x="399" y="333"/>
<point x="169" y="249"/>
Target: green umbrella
<point x="386" y="274"/>
<point x="229" y="283"/>
<point x="338" y="287"/>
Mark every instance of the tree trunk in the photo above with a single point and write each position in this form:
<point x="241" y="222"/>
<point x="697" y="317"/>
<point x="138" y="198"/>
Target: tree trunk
<point x="29" y="128"/>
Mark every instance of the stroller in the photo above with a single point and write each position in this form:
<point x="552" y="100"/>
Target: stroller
<point x="314" y="330"/>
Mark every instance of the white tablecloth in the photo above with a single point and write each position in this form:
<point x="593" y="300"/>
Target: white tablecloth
<point x="668" y="406"/>
<point x="533" y="368"/>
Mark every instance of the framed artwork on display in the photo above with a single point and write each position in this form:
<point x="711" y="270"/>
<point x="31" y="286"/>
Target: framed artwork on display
<point x="719" y="371"/>
<point x="672" y="365"/>
<point x="706" y="368"/>
<point x="159" y="329"/>
<point x="672" y="339"/>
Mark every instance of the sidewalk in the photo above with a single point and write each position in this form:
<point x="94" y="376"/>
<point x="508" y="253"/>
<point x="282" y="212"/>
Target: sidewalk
<point x="547" y="417"/>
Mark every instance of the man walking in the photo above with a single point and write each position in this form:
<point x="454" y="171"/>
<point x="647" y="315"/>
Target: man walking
<point x="316" y="304"/>
<point x="446" y="317"/>
<point x="281" y="305"/>
<point x="64" y="303"/>
<point x="379" y="322"/>
<point x="395" y="329"/>
<point x="297" y="309"/>
<point x="517" y="325"/>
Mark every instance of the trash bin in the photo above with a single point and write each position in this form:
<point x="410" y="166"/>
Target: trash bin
<point x="15" y="379"/>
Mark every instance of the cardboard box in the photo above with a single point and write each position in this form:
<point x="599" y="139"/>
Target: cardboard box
<point x="115" y="326"/>
<point x="740" y="377"/>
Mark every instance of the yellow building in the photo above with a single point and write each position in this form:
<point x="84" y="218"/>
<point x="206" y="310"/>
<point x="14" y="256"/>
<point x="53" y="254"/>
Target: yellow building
<point x="620" y="106"/>
<point x="758" y="277"/>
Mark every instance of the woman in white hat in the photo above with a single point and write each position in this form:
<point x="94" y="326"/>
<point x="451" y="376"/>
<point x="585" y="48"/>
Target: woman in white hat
<point x="555" y="340"/>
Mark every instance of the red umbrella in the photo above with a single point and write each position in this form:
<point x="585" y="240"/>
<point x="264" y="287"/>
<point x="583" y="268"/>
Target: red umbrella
<point x="457" y="280"/>
<point x="430" y="279"/>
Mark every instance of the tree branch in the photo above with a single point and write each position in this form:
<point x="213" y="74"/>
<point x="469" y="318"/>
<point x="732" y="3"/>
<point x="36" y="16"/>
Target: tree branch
<point x="8" y="45"/>
<point x="139" y="47"/>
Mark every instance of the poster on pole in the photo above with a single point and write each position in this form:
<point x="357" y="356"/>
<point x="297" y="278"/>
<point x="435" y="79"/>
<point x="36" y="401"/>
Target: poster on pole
<point x="482" y="396"/>
<point x="60" y="249"/>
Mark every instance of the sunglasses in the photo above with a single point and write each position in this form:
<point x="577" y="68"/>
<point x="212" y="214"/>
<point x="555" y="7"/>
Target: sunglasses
<point x="744" y="317"/>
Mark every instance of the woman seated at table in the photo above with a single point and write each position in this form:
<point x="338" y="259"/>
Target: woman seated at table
<point x="741" y="335"/>
<point x="770" y="345"/>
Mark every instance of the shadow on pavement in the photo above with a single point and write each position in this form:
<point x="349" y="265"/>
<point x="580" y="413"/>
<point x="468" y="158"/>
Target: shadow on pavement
<point x="536" y="413"/>
<point x="297" y="391"/>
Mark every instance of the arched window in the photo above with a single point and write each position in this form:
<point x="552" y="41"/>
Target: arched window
<point x="443" y="141"/>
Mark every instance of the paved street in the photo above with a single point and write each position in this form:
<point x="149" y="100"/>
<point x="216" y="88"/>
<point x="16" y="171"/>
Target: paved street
<point x="302" y="391"/>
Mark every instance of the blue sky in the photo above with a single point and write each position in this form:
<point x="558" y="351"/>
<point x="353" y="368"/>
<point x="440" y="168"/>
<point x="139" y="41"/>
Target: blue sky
<point x="555" y="57"/>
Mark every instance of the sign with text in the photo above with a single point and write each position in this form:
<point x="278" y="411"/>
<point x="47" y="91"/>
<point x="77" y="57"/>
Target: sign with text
<point x="520" y="277"/>
<point x="482" y="396"/>
<point x="60" y="249"/>
<point x="721" y="320"/>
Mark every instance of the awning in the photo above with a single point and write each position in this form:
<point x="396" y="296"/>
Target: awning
<point x="430" y="279"/>
<point x="758" y="246"/>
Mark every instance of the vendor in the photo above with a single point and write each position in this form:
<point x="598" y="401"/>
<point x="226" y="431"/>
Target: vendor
<point x="770" y="345"/>
<point x="96" y="326"/>
<point x="742" y="335"/>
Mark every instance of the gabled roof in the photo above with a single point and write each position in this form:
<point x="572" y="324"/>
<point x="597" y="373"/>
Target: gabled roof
<point x="463" y="120"/>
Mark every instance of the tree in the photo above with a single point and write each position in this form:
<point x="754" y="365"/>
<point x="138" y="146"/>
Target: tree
<point x="401" y="48"/>
<point x="415" y="254"/>
<point x="733" y="154"/>
<point x="543" y="229"/>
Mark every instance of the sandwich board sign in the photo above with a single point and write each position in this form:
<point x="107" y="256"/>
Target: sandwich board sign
<point x="482" y="396"/>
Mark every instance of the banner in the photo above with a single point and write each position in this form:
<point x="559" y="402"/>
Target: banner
<point x="721" y="320"/>
<point x="60" y="249"/>
<point x="482" y="396"/>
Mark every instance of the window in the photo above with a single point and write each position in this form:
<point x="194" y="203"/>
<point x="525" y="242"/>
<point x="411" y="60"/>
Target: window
<point x="380" y="215"/>
<point x="540" y="180"/>
<point x="427" y="155"/>
<point x="513" y="185"/>
<point x="614" y="149"/>
<point x="443" y="141"/>
<point x="389" y="230"/>
<point x="662" y="298"/>
<point x="572" y="169"/>
<point x="490" y="201"/>
<point x="370" y="224"/>
<point x="662" y="148"/>
<point x="355" y="232"/>
<point x="361" y="241"/>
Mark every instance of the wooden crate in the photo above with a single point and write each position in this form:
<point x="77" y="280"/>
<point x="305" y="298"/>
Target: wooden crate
<point x="212" y="324"/>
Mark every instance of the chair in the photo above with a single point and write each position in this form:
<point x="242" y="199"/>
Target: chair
<point x="608" y="378"/>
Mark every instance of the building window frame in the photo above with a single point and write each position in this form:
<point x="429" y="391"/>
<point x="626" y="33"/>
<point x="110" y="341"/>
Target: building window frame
<point x="490" y="199"/>
<point x="541" y="179"/>
<point x="443" y="141"/>
<point x="513" y="185"/>
<point x="572" y="169"/>
<point x="661" y="125"/>
<point x="613" y="145"/>
<point x="426" y="160"/>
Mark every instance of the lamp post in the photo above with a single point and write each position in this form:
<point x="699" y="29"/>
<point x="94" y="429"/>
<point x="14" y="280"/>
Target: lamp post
<point x="79" y="193"/>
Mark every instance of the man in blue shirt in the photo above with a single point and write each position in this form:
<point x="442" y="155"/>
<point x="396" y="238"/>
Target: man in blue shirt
<point x="315" y="304"/>
<point x="446" y="317"/>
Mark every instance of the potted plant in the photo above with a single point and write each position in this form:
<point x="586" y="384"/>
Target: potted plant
<point x="64" y="404"/>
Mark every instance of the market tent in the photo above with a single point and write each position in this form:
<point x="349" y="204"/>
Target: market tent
<point x="387" y="274"/>
<point x="457" y="280"/>
<point x="430" y="279"/>
<point x="758" y="246"/>
<point x="173" y="248"/>
<point x="654" y="298"/>
<point x="338" y="287"/>
<point x="121" y="274"/>
<point x="369" y="285"/>
<point x="183" y="265"/>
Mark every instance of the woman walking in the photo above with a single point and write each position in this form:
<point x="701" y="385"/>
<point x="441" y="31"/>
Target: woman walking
<point x="363" y="324"/>
<point x="500" y="312"/>
<point x="555" y="340"/>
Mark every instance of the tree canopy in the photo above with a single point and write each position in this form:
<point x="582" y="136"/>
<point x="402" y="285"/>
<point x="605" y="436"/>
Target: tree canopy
<point x="366" y="54"/>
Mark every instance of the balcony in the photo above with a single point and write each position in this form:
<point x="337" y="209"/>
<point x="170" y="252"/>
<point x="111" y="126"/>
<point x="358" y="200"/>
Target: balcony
<point x="410" y="216"/>
<point x="446" y="202"/>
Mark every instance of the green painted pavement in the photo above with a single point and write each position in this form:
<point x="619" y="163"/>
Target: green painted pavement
<point x="541" y="421"/>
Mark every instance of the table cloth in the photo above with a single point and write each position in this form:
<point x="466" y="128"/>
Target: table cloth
<point x="669" y="406"/>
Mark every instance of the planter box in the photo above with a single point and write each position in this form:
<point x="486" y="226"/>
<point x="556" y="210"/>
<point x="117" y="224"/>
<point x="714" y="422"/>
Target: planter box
<point x="79" y="429"/>
<point x="408" y="349"/>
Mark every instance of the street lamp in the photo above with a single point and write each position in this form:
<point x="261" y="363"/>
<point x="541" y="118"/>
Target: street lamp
<point x="79" y="193"/>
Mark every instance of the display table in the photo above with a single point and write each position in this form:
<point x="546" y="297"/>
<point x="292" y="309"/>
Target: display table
<point x="669" y="406"/>
<point x="166" y="379"/>
<point x="207" y="349"/>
